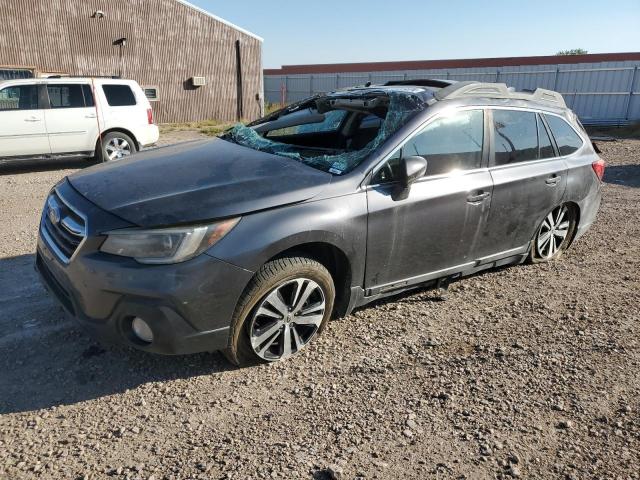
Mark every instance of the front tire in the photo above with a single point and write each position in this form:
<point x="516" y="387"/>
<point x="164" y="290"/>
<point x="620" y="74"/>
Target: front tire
<point x="554" y="235"/>
<point x="115" y="146"/>
<point x="286" y="305"/>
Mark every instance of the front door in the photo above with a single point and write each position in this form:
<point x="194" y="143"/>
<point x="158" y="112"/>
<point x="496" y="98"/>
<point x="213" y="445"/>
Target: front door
<point x="71" y="119"/>
<point x="22" y="127"/>
<point x="435" y="230"/>
<point x="529" y="180"/>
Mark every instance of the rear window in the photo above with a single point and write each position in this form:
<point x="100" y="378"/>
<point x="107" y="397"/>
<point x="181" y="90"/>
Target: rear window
<point x="566" y="137"/>
<point x="119" y="95"/>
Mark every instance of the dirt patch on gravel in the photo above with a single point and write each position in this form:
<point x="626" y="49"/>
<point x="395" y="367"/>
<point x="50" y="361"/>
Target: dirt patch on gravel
<point x="529" y="371"/>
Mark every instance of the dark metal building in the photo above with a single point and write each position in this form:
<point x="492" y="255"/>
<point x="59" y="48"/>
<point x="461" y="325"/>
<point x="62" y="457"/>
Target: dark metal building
<point x="192" y="64"/>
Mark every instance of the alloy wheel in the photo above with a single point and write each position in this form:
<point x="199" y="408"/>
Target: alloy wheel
<point x="286" y="320"/>
<point x="117" y="148"/>
<point x="553" y="232"/>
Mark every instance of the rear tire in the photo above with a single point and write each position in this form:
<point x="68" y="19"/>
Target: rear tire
<point x="554" y="235"/>
<point x="285" y="306"/>
<point x="115" y="146"/>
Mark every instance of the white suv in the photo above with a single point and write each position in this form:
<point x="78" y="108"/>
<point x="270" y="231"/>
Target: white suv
<point x="63" y="117"/>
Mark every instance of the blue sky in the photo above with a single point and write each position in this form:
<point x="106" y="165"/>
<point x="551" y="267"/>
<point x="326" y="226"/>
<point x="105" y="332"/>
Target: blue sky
<point x="334" y="31"/>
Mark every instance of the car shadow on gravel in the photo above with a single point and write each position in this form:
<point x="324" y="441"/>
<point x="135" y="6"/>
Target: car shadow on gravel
<point x="627" y="175"/>
<point x="14" y="167"/>
<point x="47" y="360"/>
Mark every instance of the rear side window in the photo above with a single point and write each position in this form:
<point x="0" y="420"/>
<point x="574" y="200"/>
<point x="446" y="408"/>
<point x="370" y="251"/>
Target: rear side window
<point x="515" y="136"/>
<point x="119" y="95"/>
<point x="567" y="139"/>
<point x="544" y="142"/>
<point x="66" y="96"/>
<point x="87" y="91"/>
<point x="20" y="97"/>
<point x="452" y="142"/>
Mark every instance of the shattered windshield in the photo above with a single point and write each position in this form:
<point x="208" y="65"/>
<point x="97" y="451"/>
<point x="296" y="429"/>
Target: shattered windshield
<point x="333" y="133"/>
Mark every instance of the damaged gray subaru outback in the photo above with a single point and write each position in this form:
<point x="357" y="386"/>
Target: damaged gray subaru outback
<point x="251" y="242"/>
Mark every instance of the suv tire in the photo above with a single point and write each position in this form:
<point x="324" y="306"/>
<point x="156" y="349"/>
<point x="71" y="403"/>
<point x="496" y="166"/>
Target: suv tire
<point x="115" y="146"/>
<point x="554" y="235"/>
<point x="289" y="300"/>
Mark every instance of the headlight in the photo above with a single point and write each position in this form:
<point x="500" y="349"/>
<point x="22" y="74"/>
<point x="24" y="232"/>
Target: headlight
<point x="166" y="245"/>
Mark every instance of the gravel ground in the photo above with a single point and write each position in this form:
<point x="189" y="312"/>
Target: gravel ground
<point x="529" y="371"/>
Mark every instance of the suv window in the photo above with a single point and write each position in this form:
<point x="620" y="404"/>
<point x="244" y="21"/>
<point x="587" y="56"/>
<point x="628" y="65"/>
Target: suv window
<point x="452" y="142"/>
<point x="66" y="96"/>
<point x="119" y="95"/>
<point x="333" y="120"/>
<point x="544" y="142"/>
<point x="20" y="97"/>
<point x="87" y="91"/>
<point x="567" y="139"/>
<point x="515" y="136"/>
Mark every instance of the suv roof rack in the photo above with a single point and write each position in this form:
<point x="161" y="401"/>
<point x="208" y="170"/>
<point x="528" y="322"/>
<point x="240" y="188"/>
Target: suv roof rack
<point x="499" y="90"/>
<point x="422" y="82"/>
<point x="58" y="76"/>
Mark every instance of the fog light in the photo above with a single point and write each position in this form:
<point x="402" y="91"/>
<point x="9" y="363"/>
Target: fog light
<point x="142" y="330"/>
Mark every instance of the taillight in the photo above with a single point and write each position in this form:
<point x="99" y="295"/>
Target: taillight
<point x="150" y="116"/>
<point x="598" y="167"/>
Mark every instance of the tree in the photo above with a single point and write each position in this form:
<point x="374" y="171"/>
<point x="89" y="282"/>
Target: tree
<point x="573" y="51"/>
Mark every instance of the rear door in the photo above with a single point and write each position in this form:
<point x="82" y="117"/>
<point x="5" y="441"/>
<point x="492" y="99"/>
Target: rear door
<point x="529" y="179"/>
<point x="120" y="106"/>
<point x="71" y="118"/>
<point x="435" y="228"/>
<point x="22" y="126"/>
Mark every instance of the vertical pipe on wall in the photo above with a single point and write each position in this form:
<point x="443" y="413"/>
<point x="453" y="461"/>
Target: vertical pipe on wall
<point x="239" y="89"/>
<point x="630" y="97"/>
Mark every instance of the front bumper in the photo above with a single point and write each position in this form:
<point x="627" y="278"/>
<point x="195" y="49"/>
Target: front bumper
<point x="188" y="306"/>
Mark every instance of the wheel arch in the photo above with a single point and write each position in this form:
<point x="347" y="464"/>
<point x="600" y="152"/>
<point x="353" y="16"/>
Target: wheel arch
<point x="129" y="133"/>
<point x="576" y="209"/>
<point x="335" y="260"/>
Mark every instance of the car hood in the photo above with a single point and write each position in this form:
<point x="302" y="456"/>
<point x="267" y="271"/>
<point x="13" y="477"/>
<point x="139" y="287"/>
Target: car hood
<point x="195" y="182"/>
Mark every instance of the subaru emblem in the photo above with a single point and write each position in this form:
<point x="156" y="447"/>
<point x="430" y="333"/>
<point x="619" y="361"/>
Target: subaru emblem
<point x="54" y="213"/>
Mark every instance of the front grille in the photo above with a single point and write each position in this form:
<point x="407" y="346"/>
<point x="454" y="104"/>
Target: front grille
<point x="62" y="227"/>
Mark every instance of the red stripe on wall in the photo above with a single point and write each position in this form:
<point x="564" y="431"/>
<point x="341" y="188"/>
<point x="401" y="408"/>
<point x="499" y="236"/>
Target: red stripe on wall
<point x="455" y="63"/>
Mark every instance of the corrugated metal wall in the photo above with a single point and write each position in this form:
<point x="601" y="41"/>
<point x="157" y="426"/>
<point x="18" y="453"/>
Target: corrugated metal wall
<point x="600" y="93"/>
<point x="167" y="43"/>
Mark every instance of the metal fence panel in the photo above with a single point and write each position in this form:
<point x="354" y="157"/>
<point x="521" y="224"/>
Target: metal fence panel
<point x="605" y="92"/>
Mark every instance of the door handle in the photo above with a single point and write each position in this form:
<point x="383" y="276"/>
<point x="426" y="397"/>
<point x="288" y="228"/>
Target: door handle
<point x="90" y="115"/>
<point x="478" y="197"/>
<point x="32" y="119"/>
<point x="553" y="180"/>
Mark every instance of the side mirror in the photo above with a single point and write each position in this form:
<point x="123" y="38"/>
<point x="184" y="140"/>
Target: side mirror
<point x="411" y="169"/>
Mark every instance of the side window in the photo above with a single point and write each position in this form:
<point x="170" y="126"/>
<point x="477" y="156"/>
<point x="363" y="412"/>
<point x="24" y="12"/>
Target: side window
<point x="20" y="97"/>
<point x="119" y="95"/>
<point x="87" y="91"/>
<point x="544" y="142"/>
<point x="66" y="96"/>
<point x="515" y="136"/>
<point x="567" y="139"/>
<point x="452" y="142"/>
<point x="333" y="120"/>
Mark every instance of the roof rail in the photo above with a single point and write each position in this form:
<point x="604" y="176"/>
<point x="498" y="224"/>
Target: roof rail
<point x="498" y="90"/>
<point x="58" y="76"/>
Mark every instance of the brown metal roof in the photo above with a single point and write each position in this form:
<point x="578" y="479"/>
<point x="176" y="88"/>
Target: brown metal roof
<point x="455" y="63"/>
